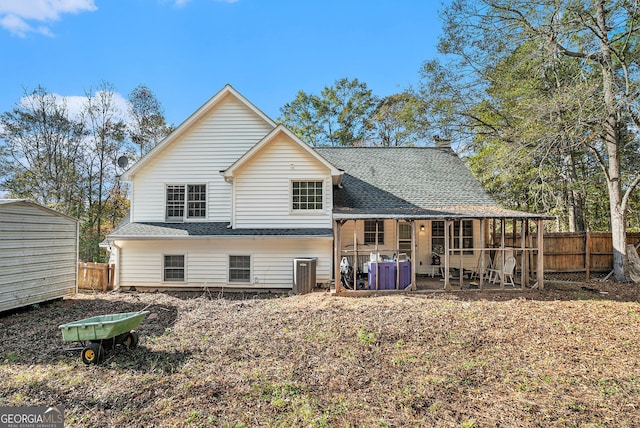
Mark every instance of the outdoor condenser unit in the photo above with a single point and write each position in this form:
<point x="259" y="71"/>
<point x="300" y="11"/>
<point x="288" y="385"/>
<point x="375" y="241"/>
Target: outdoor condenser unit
<point x="304" y="275"/>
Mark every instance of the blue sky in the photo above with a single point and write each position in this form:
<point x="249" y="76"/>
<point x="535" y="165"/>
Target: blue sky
<point x="186" y="50"/>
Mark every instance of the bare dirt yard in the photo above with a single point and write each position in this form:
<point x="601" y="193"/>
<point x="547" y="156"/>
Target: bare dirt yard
<point x="568" y="356"/>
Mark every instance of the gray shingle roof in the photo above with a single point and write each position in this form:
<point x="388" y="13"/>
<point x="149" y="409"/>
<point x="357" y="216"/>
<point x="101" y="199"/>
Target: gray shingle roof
<point x="202" y="229"/>
<point x="403" y="180"/>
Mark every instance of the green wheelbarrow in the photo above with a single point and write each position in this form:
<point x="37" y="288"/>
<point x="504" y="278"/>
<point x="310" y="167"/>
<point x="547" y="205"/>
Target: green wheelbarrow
<point x="104" y="332"/>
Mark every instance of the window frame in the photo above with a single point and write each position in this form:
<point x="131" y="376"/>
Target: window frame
<point x="292" y="196"/>
<point x="467" y="236"/>
<point x="184" y="268"/>
<point x="404" y="243"/>
<point x="231" y="280"/>
<point x="439" y="247"/>
<point x="188" y="190"/>
<point x="368" y="238"/>
<point x="467" y="239"/>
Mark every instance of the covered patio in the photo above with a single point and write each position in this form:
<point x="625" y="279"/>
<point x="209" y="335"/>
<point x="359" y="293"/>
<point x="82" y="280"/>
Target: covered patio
<point x="392" y="252"/>
<point x="398" y="210"/>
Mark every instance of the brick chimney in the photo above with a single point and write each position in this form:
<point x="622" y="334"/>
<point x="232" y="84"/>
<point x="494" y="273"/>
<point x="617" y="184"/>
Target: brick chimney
<point x="441" y="142"/>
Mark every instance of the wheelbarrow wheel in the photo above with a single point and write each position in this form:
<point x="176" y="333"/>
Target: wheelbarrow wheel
<point x="131" y="340"/>
<point x="92" y="353"/>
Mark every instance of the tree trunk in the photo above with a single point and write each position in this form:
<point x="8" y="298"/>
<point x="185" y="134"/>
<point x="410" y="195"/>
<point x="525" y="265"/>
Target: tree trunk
<point x="612" y="141"/>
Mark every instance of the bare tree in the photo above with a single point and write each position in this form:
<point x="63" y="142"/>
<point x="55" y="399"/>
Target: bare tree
<point x="105" y="139"/>
<point x="42" y="152"/>
<point x="148" y="125"/>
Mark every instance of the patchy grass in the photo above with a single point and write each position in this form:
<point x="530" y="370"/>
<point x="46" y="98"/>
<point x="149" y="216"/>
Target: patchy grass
<point x="564" y="357"/>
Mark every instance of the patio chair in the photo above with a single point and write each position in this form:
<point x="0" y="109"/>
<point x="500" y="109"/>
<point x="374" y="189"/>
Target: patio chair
<point x="506" y="272"/>
<point x="493" y="272"/>
<point x="476" y="272"/>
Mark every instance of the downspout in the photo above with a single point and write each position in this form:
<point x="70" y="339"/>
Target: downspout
<point x="116" y="279"/>
<point x="232" y="222"/>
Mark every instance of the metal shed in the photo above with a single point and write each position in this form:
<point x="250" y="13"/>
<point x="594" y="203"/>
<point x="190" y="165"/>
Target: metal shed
<point x="38" y="254"/>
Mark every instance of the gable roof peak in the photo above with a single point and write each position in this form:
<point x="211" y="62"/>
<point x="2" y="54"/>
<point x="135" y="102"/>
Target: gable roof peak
<point x="227" y="89"/>
<point x="281" y="129"/>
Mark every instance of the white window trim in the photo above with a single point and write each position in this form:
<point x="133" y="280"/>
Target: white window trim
<point x="250" y="255"/>
<point x="364" y="233"/>
<point x="164" y="281"/>
<point x="307" y="212"/>
<point x="186" y="218"/>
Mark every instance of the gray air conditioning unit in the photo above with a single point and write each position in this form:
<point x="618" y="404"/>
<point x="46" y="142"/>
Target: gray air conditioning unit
<point x="304" y="275"/>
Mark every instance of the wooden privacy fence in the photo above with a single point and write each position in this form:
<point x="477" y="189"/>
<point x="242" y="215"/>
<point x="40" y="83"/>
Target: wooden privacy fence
<point x="578" y="251"/>
<point x="96" y="276"/>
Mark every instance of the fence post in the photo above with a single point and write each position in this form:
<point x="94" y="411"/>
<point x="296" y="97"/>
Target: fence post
<point x="587" y="254"/>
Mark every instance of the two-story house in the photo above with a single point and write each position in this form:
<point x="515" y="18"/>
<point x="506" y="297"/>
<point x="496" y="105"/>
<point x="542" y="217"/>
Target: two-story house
<point x="229" y="199"/>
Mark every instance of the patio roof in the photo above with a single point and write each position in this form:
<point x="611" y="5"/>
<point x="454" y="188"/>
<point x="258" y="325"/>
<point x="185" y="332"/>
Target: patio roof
<point x="410" y="183"/>
<point x="444" y="213"/>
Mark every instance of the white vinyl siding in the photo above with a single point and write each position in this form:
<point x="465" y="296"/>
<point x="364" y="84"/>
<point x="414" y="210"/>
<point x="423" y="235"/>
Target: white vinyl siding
<point x="207" y="261"/>
<point x="209" y="146"/>
<point x="263" y="188"/>
<point x="38" y="255"/>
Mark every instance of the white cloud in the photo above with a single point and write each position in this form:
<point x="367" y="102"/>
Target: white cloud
<point x="75" y="104"/>
<point x="17" y="16"/>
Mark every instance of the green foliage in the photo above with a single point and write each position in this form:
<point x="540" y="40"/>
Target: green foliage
<point x="398" y="121"/>
<point x="341" y="115"/>
<point x="365" y="337"/>
<point x="529" y="90"/>
<point x="347" y="113"/>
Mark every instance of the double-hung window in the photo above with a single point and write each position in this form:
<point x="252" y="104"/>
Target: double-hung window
<point x="306" y="195"/>
<point x="404" y="239"/>
<point x="186" y="201"/>
<point x="173" y="267"/>
<point x="467" y="235"/>
<point x="370" y="230"/>
<point x="437" y="236"/>
<point x="239" y="268"/>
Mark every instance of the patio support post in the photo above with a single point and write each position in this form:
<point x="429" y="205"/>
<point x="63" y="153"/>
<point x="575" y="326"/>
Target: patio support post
<point x="493" y="234"/>
<point x="531" y="249"/>
<point x="414" y="258"/>
<point x="540" y="261"/>
<point x="523" y="258"/>
<point x="447" y="228"/>
<point x="336" y="257"/>
<point x="503" y="224"/>
<point x="461" y="262"/>
<point x="483" y="224"/>
<point x="377" y="259"/>
<point x="355" y="256"/>
<point x="397" y="251"/>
